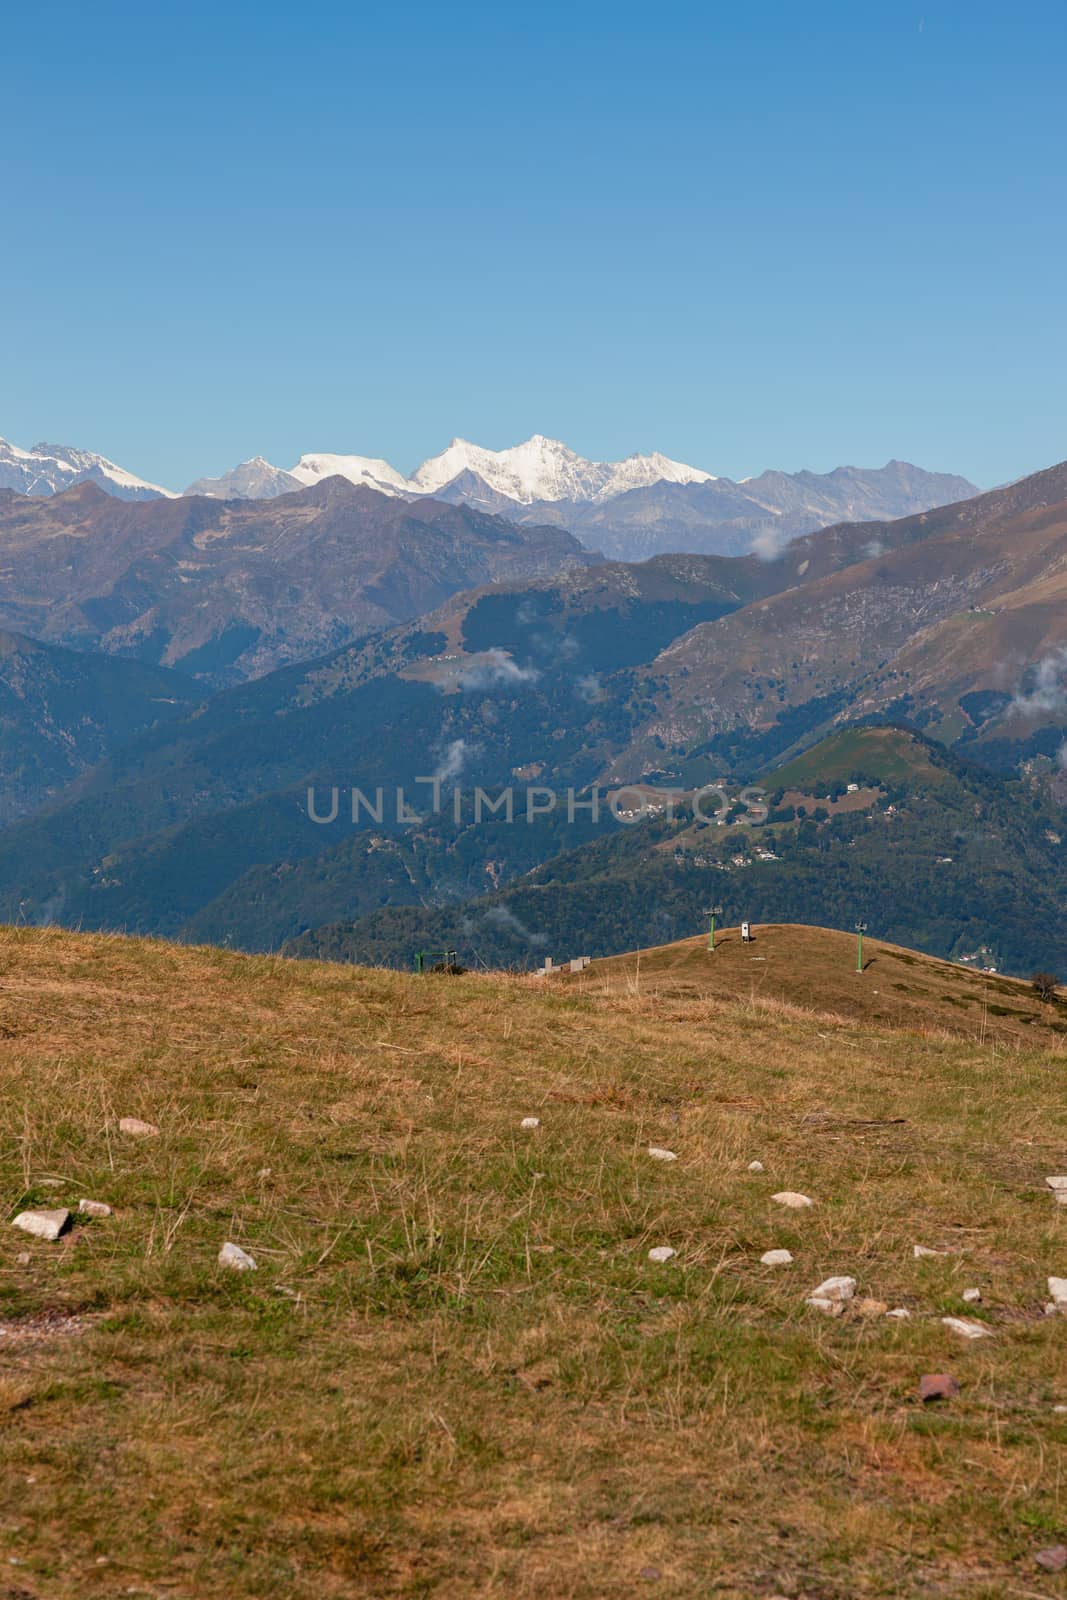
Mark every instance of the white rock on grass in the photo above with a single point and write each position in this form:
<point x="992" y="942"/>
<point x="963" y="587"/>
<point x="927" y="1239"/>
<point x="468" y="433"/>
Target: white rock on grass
<point x="899" y="1314"/>
<point x="919" y="1251"/>
<point x="795" y="1202"/>
<point x="967" y="1330"/>
<point x="530" y="1122"/>
<point x="238" y="1260"/>
<point x="829" y="1308"/>
<point x="43" y="1224"/>
<point x="834" y="1289"/>
<point x="972" y="1296"/>
<point x="756" y="1166"/>
<point x="94" y="1208"/>
<point x="659" y="1154"/>
<point x="138" y="1129"/>
<point x="1057" y="1183"/>
<point x="661" y="1252"/>
<point x="1057" y="1288"/>
<point x="776" y="1258"/>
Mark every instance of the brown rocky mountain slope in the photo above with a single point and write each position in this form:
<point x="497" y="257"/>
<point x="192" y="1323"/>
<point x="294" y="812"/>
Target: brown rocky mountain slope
<point x="968" y="599"/>
<point x="229" y="590"/>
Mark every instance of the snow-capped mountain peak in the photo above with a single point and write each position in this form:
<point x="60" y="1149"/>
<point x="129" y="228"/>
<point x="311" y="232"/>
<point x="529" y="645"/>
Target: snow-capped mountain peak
<point x="255" y="479"/>
<point x="51" y="468"/>
<point x="538" y="469"/>
<point x="375" y="473"/>
<point x="546" y="469"/>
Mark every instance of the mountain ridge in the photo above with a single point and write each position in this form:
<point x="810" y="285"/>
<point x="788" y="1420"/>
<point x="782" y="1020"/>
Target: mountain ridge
<point x="631" y="509"/>
<point x="47" y="469"/>
<point x="232" y="589"/>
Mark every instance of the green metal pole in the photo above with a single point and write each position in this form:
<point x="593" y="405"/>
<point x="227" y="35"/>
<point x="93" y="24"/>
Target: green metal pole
<point x="859" y="952"/>
<point x="711" y="933"/>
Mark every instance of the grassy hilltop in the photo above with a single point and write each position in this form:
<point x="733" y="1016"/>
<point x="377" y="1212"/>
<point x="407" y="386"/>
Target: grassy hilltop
<point x="455" y="1371"/>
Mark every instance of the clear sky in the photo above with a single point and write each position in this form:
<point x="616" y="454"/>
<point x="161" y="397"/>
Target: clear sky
<point x="750" y="234"/>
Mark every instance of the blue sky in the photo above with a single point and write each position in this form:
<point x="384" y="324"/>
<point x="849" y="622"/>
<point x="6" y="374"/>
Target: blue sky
<point x="748" y="234"/>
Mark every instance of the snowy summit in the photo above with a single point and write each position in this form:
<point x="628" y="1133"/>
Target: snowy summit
<point x="545" y="469"/>
<point x="539" y="469"/>
<point x="51" y="468"/>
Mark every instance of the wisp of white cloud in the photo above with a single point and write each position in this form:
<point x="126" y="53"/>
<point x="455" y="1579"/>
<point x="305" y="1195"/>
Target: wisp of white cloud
<point x="504" y="918"/>
<point x="1049" y="693"/>
<point x="497" y="667"/>
<point x="769" y="542"/>
<point x="453" y="761"/>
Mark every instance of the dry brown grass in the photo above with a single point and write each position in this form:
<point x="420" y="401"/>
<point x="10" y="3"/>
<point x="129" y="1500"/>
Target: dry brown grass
<point x="455" y="1372"/>
<point x="813" y="972"/>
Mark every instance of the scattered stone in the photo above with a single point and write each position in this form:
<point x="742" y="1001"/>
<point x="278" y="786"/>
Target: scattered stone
<point x="872" y="1308"/>
<point x="921" y="1250"/>
<point x="530" y="1122"/>
<point x="938" y="1386"/>
<point x="52" y="1183"/>
<point x="43" y="1224"/>
<point x="795" y="1202"/>
<point x="1057" y="1183"/>
<point x="972" y="1296"/>
<point x="967" y="1330"/>
<point x="231" y="1255"/>
<point x="94" y="1208"/>
<point x="1057" y="1288"/>
<point x="138" y="1129"/>
<point x="1061" y="1410"/>
<point x="659" y="1154"/>
<point x="899" y="1313"/>
<point x="264" y="1172"/>
<point x="835" y="1289"/>
<point x="776" y="1258"/>
<point x="661" y="1252"/>
<point x="1053" y="1559"/>
<point x="23" y="1258"/>
<point x="1060" y="1197"/>
<point x="1051" y="1309"/>
<point x="829" y="1308"/>
<point x="756" y="1166"/>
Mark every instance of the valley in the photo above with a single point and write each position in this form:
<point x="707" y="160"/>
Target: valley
<point x="522" y="662"/>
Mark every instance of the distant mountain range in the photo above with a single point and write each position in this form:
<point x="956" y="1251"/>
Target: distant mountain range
<point x="630" y="510"/>
<point x="231" y="589"/>
<point x="538" y="471"/>
<point x="955" y="618"/>
<point x="642" y="506"/>
<point x="682" y="670"/>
